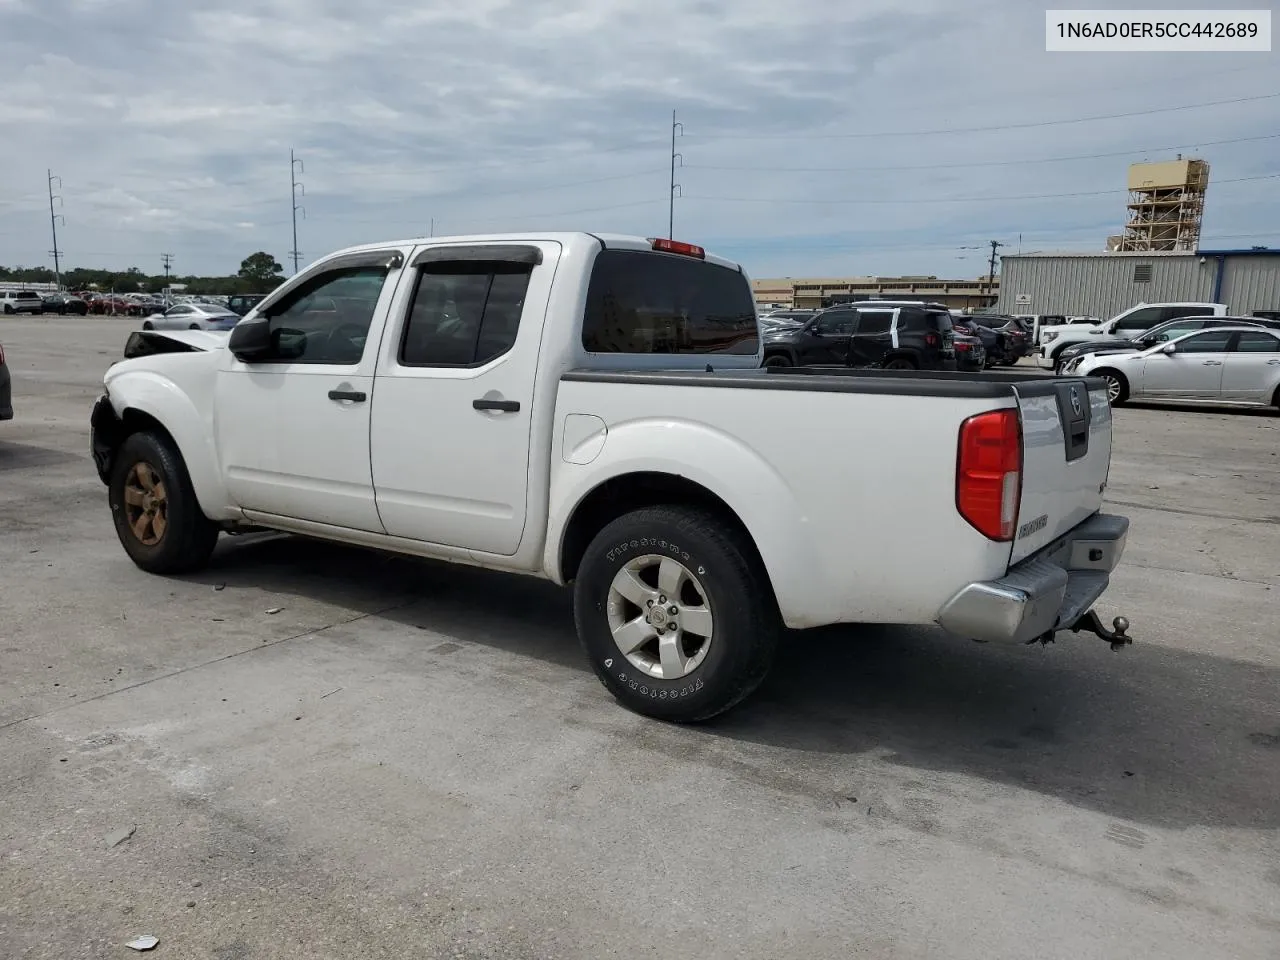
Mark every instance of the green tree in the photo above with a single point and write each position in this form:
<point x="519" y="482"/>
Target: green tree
<point x="261" y="268"/>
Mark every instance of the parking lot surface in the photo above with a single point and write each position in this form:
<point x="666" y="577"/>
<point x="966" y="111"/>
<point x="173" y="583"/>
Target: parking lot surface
<point x="409" y="759"/>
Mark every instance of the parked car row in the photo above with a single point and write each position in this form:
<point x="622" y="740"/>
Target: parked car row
<point x="884" y="334"/>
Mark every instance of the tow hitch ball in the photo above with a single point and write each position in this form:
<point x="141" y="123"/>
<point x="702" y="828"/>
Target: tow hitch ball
<point x="1117" y="637"/>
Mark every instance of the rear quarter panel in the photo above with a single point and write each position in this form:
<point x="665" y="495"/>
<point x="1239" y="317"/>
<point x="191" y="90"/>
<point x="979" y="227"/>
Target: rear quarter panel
<point x="849" y="497"/>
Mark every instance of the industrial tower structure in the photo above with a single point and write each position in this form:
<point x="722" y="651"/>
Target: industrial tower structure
<point x="1166" y="205"/>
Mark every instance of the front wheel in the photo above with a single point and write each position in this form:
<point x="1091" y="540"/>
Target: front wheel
<point x="777" y="360"/>
<point x="156" y="514"/>
<point x="900" y="363"/>
<point x="675" y="613"/>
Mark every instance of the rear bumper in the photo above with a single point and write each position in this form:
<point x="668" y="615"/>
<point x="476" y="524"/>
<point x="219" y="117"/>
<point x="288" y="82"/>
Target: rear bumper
<point x="1046" y="592"/>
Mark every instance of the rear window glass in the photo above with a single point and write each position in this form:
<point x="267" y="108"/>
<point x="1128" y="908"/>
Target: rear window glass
<point x="27" y="295"/>
<point x="660" y="303"/>
<point x="932" y="320"/>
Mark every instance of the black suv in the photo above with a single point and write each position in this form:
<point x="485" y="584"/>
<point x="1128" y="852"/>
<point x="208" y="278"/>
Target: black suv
<point x="242" y="303"/>
<point x="889" y="334"/>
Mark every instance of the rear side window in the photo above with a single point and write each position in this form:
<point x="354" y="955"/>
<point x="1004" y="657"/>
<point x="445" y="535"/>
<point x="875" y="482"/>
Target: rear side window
<point x="1258" y="343"/>
<point x="661" y="303"/>
<point x="464" y="314"/>
<point x="871" y="322"/>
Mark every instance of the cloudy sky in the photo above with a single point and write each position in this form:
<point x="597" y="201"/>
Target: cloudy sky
<point x="820" y="137"/>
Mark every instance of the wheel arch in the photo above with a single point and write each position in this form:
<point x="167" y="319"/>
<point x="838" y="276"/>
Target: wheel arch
<point x="151" y="403"/>
<point x="627" y="475"/>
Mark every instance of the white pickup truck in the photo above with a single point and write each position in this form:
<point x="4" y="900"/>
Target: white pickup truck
<point x="591" y="409"/>
<point x="1127" y="326"/>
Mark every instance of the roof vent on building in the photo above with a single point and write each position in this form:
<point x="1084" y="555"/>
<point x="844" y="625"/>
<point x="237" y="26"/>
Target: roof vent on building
<point x="1142" y="273"/>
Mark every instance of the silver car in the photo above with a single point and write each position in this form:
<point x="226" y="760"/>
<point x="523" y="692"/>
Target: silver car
<point x="1219" y="365"/>
<point x="192" y="316"/>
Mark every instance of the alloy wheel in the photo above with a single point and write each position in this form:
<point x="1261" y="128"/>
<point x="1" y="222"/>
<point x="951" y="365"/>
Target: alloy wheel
<point x="146" y="504"/>
<point x="660" y="617"/>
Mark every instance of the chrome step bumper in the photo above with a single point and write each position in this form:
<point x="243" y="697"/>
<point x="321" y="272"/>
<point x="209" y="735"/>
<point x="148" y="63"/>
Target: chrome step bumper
<point x="1047" y="592"/>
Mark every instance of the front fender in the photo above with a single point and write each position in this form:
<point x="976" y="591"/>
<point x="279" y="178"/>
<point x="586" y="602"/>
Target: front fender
<point x="158" y="397"/>
<point x="756" y="492"/>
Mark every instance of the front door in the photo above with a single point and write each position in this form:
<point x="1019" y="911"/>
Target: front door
<point x="1252" y="371"/>
<point x="453" y="401"/>
<point x="1193" y="371"/>
<point x="826" y="340"/>
<point x="293" y="432"/>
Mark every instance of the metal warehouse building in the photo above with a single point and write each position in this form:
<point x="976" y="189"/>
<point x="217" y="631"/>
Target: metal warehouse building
<point x="1104" y="284"/>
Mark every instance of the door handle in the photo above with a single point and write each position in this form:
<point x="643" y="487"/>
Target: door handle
<point x="1273" y="363"/>
<point x="358" y="396"/>
<point x="1212" y="363"/>
<point x="504" y="406"/>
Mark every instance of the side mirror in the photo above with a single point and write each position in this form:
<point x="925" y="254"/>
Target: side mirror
<point x="1169" y="348"/>
<point x="252" y="342"/>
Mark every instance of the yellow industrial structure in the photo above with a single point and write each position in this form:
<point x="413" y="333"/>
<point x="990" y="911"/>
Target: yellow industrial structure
<point x="1166" y="206"/>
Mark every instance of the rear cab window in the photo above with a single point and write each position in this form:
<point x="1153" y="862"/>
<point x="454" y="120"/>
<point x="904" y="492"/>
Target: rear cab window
<point x="642" y="303"/>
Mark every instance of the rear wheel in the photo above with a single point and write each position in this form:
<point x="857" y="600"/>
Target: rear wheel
<point x="194" y="326"/>
<point x="148" y="325"/>
<point x="777" y="360"/>
<point x="900" y="363"/>
<point x="156" y="514"/>
<point x="1117" y="385"/>
<point x="675" y="613"/>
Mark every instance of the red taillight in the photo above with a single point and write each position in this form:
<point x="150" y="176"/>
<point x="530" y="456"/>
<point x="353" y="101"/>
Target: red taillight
<point x="932" y="340"/>
<point x="962" y="346"/>
<point x="675" y="246"/>
<point x="989" y="473"/>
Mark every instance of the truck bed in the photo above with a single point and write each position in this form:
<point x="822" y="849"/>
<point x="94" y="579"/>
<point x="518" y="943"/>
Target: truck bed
<point x="852" y="486"/>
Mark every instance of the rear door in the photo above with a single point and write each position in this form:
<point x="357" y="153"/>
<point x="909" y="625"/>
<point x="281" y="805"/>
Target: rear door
<point x="873" y="337"/>
<point x="1066" y="431"/>
<point x="1193" y="370"/>
<point x="1252" y="370"/>
<point x="452" y="404"/>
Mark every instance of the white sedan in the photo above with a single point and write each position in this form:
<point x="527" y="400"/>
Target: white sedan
<point x="192" y="316"/>
<point x="1221" y="365"/>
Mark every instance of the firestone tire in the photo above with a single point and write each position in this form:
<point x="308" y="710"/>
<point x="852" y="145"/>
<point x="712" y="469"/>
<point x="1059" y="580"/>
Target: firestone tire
<point x="725" y="586"/>
<point x="188" y="536"/>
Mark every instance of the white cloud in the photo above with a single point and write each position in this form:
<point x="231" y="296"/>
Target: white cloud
<point x="171" y="127"/>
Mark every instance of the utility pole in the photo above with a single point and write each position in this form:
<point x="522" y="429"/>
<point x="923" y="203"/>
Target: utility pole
<point x="991" y="270"/>
<point x="167" y="260"/>
<point x="53" y="223"/>
<point x="296" y="167"/>
<point x="675" y="187"/>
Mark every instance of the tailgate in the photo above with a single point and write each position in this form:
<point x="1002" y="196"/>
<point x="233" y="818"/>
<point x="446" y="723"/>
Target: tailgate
<point x="1066" y="430"/>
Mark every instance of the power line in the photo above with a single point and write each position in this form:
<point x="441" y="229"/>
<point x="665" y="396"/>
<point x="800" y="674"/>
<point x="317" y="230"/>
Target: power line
<point x="860" y="168"/>
<point x="863" y="135"/>
<point x="296" y="167"/>
<point x="929" y="200"/>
